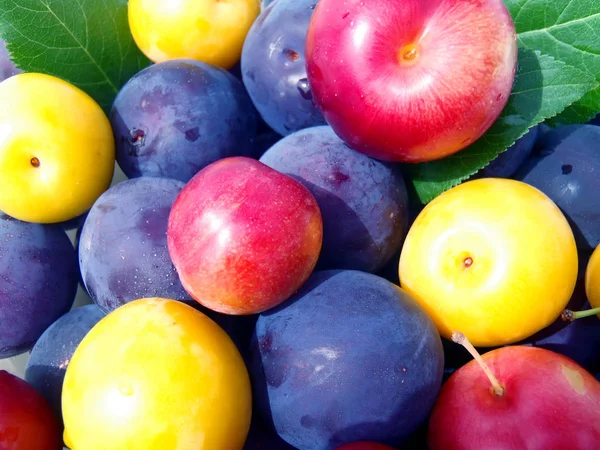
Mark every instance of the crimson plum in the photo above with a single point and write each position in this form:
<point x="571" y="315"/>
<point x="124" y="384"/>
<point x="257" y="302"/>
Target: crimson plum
<point x="38" y="281"/>
<point x="566" y="167"/>
<point x="274" y="70"/>
<point x="363" y="201"/>
<point x="351" y="357"/>
<point x="174" y="118"/>
<point x="123" y="244"/>
<point x="52" y="352"/>
<point x="26" y="420"/>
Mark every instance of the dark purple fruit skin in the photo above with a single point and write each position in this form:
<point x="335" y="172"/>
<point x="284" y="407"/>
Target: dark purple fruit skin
<point x="123" y="251"/>
<point x="508" y="162"/>
<point x="38" y="281"/>
<point x="567" y="169"/>
<point x="351" y="357"/>
<point x="363" y="202"/>
<point x="7" y="67"/>
<point x="273" y="67"/>
<point x="174" y="118"/>
<point x="53" y="351"/>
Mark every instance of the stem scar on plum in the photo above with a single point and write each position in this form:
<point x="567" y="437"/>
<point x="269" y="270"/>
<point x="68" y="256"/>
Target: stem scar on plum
<point x="468" y="262"/>
<point x="409" y="54"/>
<point x="35" y="162"/>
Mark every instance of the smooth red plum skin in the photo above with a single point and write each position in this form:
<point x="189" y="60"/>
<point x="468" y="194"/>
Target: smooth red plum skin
<point x="550" y="403"/>
<point x="395" y="104"/>
<point x="26" y="420"/>
<point x="243" y="236"/>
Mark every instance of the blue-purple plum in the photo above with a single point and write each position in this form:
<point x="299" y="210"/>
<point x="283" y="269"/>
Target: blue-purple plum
<point x="265" y="3"/>
<point x="509" y="161"/>
<point x="174" y="118"/>
<point x="363" y="201"/>
<point x="566" y="167"/>
<point x="351" y="357"/>
<point x="53" y="351"/>
<point x="123" y="251"/>
<point x="38" y="281"/>
<point x="7" y="67"/>
<point x="273" y="67"/>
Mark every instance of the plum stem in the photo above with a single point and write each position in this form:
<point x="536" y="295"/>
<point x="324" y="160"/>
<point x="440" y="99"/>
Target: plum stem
<point x="569" y="316"/>
<point x="461" y="339"/>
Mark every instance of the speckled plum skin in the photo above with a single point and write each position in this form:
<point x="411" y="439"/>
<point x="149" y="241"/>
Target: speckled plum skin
<point x="26" y="420"/>
<point x="38" y="281"/>
<point x="363" y="201"/>
<point x="412" y="80"/>
<point x="123" y="244"/>
<point x="174" y="118"/>
<point x="53" y="351"/>
<point x="243" y="236"/>
<point x="274" y="67"/>
<point x="7" y="67"/>
<point x="566" y="167"/>
<point x="350" y="357"/>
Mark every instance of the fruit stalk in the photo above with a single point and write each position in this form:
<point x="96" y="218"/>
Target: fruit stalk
<point x="569" y="316"/>
<point x="461" y="339"/>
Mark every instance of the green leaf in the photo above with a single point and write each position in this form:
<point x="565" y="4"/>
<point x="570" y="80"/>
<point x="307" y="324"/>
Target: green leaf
<point x="85" y="42"/>
<point x="543" y="88"/>
<point x="568" y="30"/>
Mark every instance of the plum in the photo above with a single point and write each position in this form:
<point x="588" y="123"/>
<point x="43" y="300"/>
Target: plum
<point x="26" y="420"/>
<point x="52" y="352"/>
<point x="273" y="67"/>
<point x="363" y="201"/>
<point x="38" y="281"/>
<point x="7" y="67"/>
<point x="566" y="167"/>
<point x="509" y="161"/>
<point x="123" y="245"/>
<point x="351" y="357"/>
<point x="176" y="117"/>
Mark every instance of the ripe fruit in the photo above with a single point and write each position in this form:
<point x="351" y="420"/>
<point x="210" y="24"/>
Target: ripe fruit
<point x="26" y="420"/>
<point x="274" y="67"/>
<point x="592" y="279"/>
<point x="53" y="165"/>
<point x="52" y="352"/>
<point x="243" y="236"/>
<point x="38" y="281"/>
<point x="123" y="245"/>
<point x="174" y="118"/>
<point x="156" y="374"/>
<point x="409" y="80"/>
<point x="565" y="168"/>
<point x="350" y="357"/>
<point x="494" y="258"/>
<point x="363" y="201"/>
<point x="210" y="31"/>
<point x="545" y="401"/>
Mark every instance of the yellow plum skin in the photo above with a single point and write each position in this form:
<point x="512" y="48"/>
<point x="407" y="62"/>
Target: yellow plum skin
<point x="211" y="31"/>
<point x="592" y="279"/>
<point x="156" y="374"/>
<point x="57" y="153"/>
<point x="493" y="258"/>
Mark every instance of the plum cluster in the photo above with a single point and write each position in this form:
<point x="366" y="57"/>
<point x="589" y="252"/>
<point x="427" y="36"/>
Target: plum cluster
<point x="262" y="276"/>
